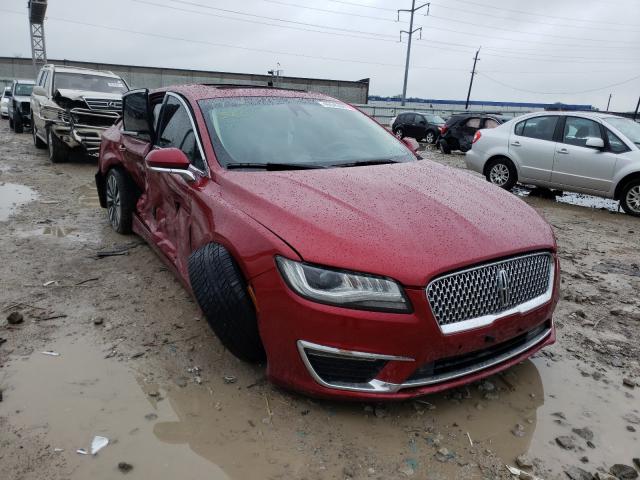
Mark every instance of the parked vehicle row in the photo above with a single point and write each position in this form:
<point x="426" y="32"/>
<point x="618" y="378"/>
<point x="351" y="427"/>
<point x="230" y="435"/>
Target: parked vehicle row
<point x="421" y="126"/>
<point x="66" y="108"/>
<point x="592" y="153"/>
<point x="320" y="243"/>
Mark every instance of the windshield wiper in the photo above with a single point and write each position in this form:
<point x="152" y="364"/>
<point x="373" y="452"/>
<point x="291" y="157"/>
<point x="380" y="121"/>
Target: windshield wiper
<point x="362" y="163"/>
<point x="275" y="166"/>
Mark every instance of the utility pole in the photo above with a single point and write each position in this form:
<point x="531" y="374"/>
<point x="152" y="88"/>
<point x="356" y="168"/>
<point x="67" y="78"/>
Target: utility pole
<point x="473" y="74"/>
<point x="635" y="115"/>
<point x="609" y="102"/>
<point x="410" y="33"/>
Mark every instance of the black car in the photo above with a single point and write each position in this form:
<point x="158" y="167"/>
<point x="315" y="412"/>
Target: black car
<point x="421" y="126"/>
<point x="20" y="105"/>
<point x="458" y="132"/>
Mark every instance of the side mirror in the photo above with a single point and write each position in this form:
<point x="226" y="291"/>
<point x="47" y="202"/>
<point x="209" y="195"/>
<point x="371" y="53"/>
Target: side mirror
<point x="411" y="143"/>
<point x="594" y="142"/>
<point x="170" y="160"/>
<point x="40" y="91"/>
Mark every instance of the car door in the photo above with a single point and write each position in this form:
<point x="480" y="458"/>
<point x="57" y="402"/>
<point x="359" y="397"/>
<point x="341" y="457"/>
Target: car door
<point x="532" y="147"/>
<point x="409" y="122"/>
<point x="167" y="206"/>
<point x="420" y="128"/>
<point x="466" y="132"/>
<point x="581" y="167"/>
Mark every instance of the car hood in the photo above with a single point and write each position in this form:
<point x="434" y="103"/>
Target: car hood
<point x="407" y="221"/>
<point x="22" y="98"/>
<point x="79" y="94"/>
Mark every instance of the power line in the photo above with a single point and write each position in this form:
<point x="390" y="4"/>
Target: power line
<point x="502" y="9"/>
<point x="354" y="4"/>
<point x="559" y="93"/>
<point x="334" y="12"/>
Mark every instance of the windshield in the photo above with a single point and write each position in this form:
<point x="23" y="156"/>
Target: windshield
<point x="24" y="89"/>
<point x="438" y="120"/>
<point x="92" y="83"/>
<point x="629" y="128"/>
<point x="296" y="131"/>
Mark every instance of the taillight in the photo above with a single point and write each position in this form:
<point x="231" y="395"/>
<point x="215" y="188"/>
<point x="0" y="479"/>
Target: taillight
<point x="477" y="136"/>
<point x="443" y="129"/>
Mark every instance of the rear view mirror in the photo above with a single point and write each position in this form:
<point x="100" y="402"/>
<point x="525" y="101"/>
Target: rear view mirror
<point x="594" y="142"/>
<point x="411" y="143"/>
<point x="40" y="91"/>
<point x="170" y="160"/>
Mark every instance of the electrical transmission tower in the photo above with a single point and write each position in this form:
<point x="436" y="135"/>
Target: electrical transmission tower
<point x="410" y="33"/>
<point x="37" y="10"/>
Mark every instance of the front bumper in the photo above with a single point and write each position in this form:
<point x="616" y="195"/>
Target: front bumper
<point x="407" y="354"/>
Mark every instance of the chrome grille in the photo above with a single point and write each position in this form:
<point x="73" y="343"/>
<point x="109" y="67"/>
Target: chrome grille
<point x="103" y="104"/>
<point x="489" y="289"/>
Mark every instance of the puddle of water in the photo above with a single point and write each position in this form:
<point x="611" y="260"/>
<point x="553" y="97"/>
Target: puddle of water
<point x="87" y="196"/>
<point x="12" y="196"/>
<point x="570" y="198"/>
<point x="218" y="431"/>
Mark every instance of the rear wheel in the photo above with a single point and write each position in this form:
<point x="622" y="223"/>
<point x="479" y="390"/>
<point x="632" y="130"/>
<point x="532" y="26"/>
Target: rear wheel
<point x="120" y="199"/>
<point x="223" y="296"/>
<point x="399" y="133"/>
<point x="502" y="173"/>
<point x="57" y="150"/>
<point x="431" y="137"/>
<point x="630" y="199"/>
<point x="17" y="123"/>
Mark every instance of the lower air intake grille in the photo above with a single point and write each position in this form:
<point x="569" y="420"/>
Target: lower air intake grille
<point x="343" y="369"/>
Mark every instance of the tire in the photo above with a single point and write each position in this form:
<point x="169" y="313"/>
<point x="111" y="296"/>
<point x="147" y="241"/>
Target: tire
<point x="120" y="197"/>
<point x="630" y="198"/>
<point x="221" y="292"/>
<point x="399" y="133"/>
<point x="502" y="173"/>
<point x="18" y="126"/>
<point x="58" y="151"/>
<point x="37" y="141"/>
<point x="431" y="137"/>
<point x="10" y="122"/>
<point x="444" y="147"/>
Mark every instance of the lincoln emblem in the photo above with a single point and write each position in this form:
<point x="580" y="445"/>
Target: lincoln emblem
<point x="503" y="286"/>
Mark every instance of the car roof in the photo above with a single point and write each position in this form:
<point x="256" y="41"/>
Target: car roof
<point x="580" y="113"/>
<point x="80" y="70"/>
<point x="198" y="92"/>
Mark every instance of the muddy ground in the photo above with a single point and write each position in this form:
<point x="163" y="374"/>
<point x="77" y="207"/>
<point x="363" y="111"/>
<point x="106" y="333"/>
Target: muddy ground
<point x="137" y="363"/>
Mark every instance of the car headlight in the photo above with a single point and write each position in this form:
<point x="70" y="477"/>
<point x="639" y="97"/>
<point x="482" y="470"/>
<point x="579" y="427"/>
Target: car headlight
<point x="344" y="289"/>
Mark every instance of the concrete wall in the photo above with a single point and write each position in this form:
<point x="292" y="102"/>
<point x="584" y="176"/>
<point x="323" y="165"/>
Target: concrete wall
<point x="151" y="77"/>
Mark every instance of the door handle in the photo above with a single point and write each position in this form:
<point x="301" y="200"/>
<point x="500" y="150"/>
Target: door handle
<point x="515" y="144"/>
<point x="563" y="150"/>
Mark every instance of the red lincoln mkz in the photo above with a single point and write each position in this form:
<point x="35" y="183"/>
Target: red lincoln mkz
<point x="312" y="237"/>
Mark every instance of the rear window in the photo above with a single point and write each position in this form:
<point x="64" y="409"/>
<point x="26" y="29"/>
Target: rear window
<point x="541" y="128"/>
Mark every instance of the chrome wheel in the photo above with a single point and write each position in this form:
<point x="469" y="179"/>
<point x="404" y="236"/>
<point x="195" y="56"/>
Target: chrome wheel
<point x="633" y="199"/>
<point x="499" y="174"/>
<point x="431" y="138"/>
<point x="399" y="134"/>
<point x="113" y="201"/>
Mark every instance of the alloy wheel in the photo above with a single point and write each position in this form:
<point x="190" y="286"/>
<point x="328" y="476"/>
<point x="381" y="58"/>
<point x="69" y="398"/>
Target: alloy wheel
<point x="399" y="133"/>
<point x="113" y="201"/>
<point x="633" y="199"/>
<point x="499" y="174"/>
<point x="430" y="137"/>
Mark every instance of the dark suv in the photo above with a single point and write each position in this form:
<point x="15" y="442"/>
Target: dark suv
<point x="458" y="132"/>
<point x="421" y="126"/>
<point x="19" y="108"/>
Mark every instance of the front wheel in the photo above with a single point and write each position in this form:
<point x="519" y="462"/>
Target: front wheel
<point x="57" y="150"/>
<point x="37" y="142"/>
<point x="120" y="199"/>
<point x="10" y="122"/>
<point x="502" y="173"/>
<point x="431" y="137"/>
<point x="223" y="295"/>
<point x="18" y="126"/>
<point x="630" y="199"/>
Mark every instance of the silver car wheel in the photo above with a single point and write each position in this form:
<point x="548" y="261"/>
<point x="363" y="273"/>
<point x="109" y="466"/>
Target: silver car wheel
<point x="431" y="138"/>
<point x="113" y="201"/>
<point x="633" y="199"/>
<point x="499" y="175"/>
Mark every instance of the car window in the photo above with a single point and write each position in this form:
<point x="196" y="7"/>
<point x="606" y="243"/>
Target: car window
<point x="23" y="89"/>
<point x="85" y="81"/>
<point x="627" y="127"/>
<point x="410" y="118"/>
<point x="420" y="120"/>
<point x="156" y="114"/>
<point x="473" y="123"/>
<point x="577" y="130"/>
<point x="615" y="144"/>
<point x="176" y="131"/>
<point x="541" y="128"/>
<point x="438" y="120"/>
<point x="490" y="123"/>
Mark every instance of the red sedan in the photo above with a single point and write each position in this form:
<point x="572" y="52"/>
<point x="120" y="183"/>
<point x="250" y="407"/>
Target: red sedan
<point x="313" y="238"/>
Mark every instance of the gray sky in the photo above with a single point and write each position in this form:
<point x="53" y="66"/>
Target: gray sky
<point x="561" y="47"/>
